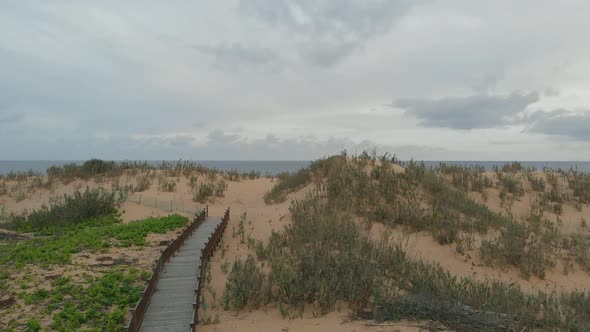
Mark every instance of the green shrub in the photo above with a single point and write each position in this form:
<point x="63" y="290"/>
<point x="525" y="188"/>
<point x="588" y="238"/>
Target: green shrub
<point x="96" y="166"/>
<point x="512" y="167"/>
<point x="70" y="209"/>
<point x="555" y="196"/>
<point x="512" y="185"/>
<point x="210" y="188"/>
<point x="245" y="285"/>
<point x="166" y="184"/>
<point x="518" y="246"/>
<point x="143" y="183"/>
<point x="537" y="183"/>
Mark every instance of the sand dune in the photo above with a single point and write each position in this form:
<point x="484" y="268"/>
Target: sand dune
<point x="245" y="199"/>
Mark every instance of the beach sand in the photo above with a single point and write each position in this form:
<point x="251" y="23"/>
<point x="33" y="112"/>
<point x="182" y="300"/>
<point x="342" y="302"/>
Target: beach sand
<point x="245" y="200"/>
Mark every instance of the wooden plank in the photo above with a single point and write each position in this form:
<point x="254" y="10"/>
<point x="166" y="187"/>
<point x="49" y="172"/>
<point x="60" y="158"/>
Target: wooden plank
<point x="171" y="305"/>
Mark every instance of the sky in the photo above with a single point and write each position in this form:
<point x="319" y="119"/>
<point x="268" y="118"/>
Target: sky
<point x="294" y="80"/>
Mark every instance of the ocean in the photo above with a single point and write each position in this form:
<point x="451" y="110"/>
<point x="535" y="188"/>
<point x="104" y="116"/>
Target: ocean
<point x="264" y="166"/>
<point x="274" y="167"/>
<point x="583" y="166"/>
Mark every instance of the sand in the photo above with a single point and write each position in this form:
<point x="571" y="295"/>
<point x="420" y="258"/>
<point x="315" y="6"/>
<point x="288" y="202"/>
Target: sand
<point x="245" y="199"/>
<point x="271" y="320"/>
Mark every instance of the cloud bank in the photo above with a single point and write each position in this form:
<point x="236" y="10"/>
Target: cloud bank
<point x="285" y="79"/>
<point x="470" y="112"/>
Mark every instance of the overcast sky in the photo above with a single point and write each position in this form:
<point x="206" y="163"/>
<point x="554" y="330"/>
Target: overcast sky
<point x="287" y="79"/>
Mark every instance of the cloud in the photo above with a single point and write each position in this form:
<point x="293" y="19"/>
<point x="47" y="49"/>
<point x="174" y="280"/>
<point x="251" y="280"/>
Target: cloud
<point x="327" y="54"/>
<point x="561" y="123"/>
<point x="551" y="92"/>
<point x="326" y="31"/>
<point x="220" y="145"/>
<point x="88" y="76"/>
<point x="487" y="84"/>
<point x="234" y="56"/>
<point x="471" y="112"/>
<point x="10" y="118"/>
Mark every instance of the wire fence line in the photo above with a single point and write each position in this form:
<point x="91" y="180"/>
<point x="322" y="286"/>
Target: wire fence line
<point x="174" y="205"/>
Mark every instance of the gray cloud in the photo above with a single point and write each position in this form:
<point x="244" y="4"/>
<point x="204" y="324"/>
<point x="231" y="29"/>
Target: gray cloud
<point x="304" y="148"/>
<point x="561" y="123"/>
<point x="233" y="56"/>
<point x="487" y="84"/>
<point x="325" y="55"/>
<point x="551" y="92"/>
<point x="327" y="31"/>
<point x="219" y="145"/>
<point x="90" y="78"/>
<point x="471" y="112"/>
<point x="10" y="118"/>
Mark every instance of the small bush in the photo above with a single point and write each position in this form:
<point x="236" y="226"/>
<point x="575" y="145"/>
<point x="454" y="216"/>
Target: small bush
<point x="245" y="285"/>
<point x="537" y="184"/>
<point x="512" y="167"/>
<point x="251" y="175"/>
<point x="512" y="185"/>
<point x="20" y="196"/>
<point x="167" y="185"/>
<point x="518" y="246"/>
<point x="94" y="167"/>
<point x="143" y="183"/>
<point x="555" y="196"/>
<point x="210" y="188"/>
<point x="446" y="231"/>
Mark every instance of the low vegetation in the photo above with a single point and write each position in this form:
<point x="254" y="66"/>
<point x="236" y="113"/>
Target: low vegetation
<point x="204" y="190"/>
<point x="326" y="256"/>
<point x="244" y="285"/>
<point x="96" y="304"/>
<point x="166" y="185"/>
<point x="287" y="183"/>
<point x="69" y="209"/>
<point x="98" y="169"/>
<point x="61" y="242"/>
<point x="90" y="299"/>
<point x="322" y="258"/>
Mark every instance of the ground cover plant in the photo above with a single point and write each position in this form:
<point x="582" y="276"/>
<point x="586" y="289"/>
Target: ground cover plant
<point x="59" y="243"/>
<point x="94" y="299"/>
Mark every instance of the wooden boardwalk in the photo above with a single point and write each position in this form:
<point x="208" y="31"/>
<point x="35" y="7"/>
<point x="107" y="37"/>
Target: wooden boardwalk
<point x="171" y="305"/>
